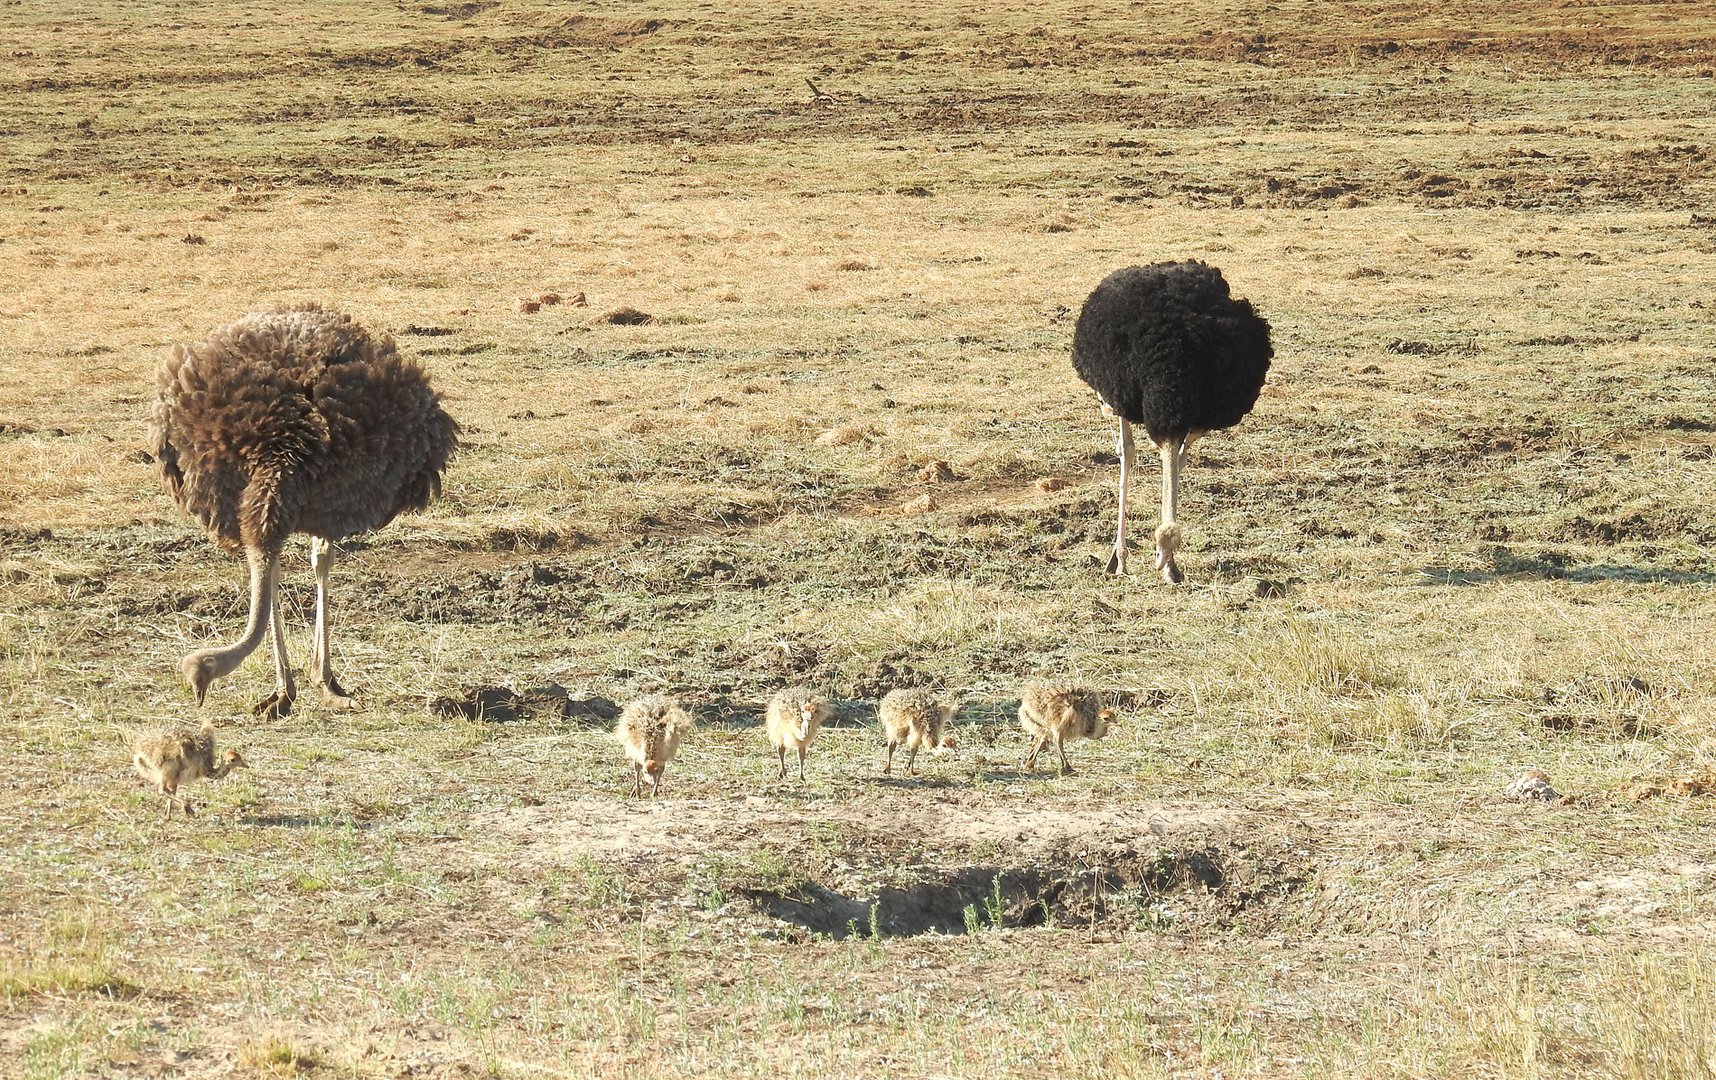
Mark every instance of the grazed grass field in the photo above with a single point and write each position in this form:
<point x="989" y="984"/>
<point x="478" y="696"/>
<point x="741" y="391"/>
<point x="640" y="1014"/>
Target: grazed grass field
<point x="1467" y="530"/>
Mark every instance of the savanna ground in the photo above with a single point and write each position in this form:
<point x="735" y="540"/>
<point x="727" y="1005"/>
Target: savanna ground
<point x="1467" y="530"/>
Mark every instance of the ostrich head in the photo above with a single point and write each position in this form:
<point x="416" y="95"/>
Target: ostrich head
<point x="200" y="669"/>
<point x="807" y="717"/>
<point x="948" y="742"/>
<point x="1168" y="542"/>
<point x="233" y="760"/>
<point x="1098" y="726"/>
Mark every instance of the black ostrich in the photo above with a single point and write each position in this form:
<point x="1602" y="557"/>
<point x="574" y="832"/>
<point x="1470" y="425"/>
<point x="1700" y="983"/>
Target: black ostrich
<point x="1166" y="346"/>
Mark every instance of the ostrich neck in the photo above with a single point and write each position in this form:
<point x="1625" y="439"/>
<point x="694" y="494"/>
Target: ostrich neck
<point x="264" y="577"/>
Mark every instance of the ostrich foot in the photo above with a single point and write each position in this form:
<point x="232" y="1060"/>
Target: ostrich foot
<point x="276" y="706"/>
<point x="1117" y="562"/>
<point x="335" y="696"/>
<point x="1171" y="574"/>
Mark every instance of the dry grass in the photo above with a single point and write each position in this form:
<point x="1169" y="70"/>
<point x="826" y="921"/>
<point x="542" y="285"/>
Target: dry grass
<point x="1466" y="531"/>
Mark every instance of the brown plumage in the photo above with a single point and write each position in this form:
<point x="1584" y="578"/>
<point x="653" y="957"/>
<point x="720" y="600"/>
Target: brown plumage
<point x="170" y="758"/>
<point x="795" y="716"/>
<point x="1060" y="713"/>
<point x="293" y="421"/>
<point x="650" y="729"/>
<point x="916" y="720"/>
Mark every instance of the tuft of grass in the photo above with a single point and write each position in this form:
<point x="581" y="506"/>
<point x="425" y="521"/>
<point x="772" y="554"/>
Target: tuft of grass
<point x="76" y="960"/>
<point x="932" y="616"/>
<point x="1304" y="658"/>
<point x="1647" y="1016"/>
<point x="279" y="1057"/>
<point x="60" y="978"/>
<point x="1396" y="720"/>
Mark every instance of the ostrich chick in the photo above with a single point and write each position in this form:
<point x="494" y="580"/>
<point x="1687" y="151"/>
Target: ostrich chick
<point x="170" y="758"/>
<point x="1166" y="346"/>
<point x="1059" y="713"/>
<point x="293" y="421"/>
<point x="916" y="720"/>
<point x="795" y="716"/>
<point x="650" y="729"/>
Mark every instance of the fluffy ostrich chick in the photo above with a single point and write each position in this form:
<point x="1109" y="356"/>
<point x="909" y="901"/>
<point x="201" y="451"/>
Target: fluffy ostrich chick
<point x="650" y="729"/>
<point x="168" y="758"/>
<point x="1059" y="713"/>
<point x="794" y="718"/>
<point x="916" y="720"/>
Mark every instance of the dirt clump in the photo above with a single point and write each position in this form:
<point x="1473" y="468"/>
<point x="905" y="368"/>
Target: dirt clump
<point x="502" y="704"/>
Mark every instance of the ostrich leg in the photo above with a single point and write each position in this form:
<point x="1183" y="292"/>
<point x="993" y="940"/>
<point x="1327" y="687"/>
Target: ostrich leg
<point x="1117" y="561"/>
<point x="1168" y="533"/>
<point x="279" y="703"/>
<point x="333" y="695"/>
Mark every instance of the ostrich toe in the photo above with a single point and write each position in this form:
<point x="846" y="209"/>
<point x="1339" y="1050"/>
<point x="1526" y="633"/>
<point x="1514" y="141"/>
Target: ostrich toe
<point x="335" y="696"/>
<point x="276" y="706"/>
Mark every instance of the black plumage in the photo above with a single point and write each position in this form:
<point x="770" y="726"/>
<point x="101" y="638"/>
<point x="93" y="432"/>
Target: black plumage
<point x="1167" y="346"/>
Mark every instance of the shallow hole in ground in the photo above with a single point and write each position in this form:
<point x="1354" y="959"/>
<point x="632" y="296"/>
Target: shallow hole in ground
<point x="1203" y="886"/>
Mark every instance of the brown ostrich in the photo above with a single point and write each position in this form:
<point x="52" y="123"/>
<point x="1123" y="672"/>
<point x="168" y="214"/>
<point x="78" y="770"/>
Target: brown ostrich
<point x="293" y="421"/>
<point x="170" y="758"/>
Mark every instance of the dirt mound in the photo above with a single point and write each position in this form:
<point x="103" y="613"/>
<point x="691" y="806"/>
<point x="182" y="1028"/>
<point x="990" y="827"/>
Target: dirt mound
<point x="502" y="704"/>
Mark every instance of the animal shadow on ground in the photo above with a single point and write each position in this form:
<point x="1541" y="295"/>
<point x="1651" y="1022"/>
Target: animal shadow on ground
<point x="1016" y="771"/>
<point x="916" y="783"/>
<point x="307" y="821"/>
<point x="1505" y="565"/>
